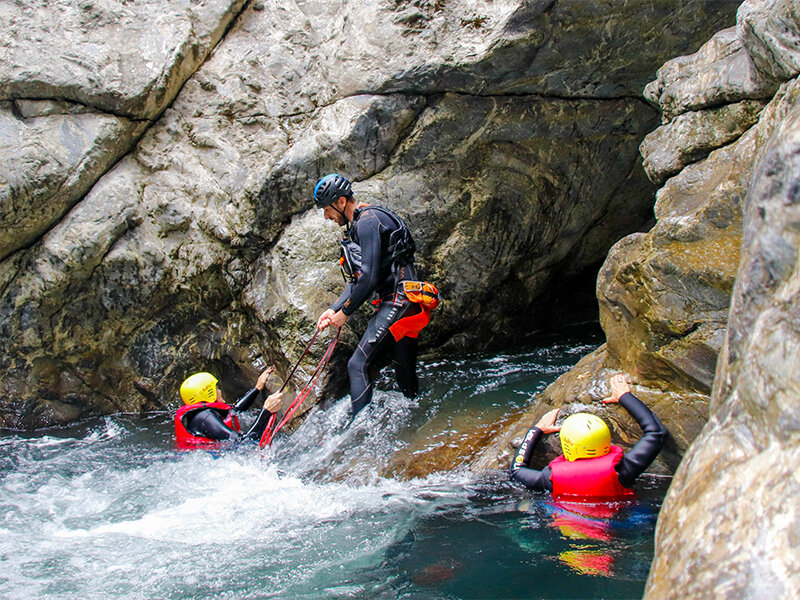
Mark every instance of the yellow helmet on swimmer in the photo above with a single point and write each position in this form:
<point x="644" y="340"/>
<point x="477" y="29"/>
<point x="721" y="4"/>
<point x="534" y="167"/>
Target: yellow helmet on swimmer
<point x="200" y="387"/>
<point x="584" y="436"/>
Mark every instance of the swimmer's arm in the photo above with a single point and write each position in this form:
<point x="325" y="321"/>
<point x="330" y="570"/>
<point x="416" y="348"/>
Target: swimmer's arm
<point x="638" y="458"/>
<point x="271" y="405"/>
<point x="520" y="471"/>
<point x="247" y="400"/>
<point x="257" y="429"/>
<point x="538" y="481"/>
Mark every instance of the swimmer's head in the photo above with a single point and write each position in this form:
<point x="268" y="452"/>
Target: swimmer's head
<point x="200" y="387"/>
<point x="584" y="435"/>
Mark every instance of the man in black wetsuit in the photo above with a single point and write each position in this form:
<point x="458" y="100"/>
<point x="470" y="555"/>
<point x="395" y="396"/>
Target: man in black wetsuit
<point x="205" y="417"/>
<point x="377" y="254"/>
<point x="591" y="467"/>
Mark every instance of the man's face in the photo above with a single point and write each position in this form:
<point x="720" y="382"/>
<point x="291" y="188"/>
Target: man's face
<point x="331" y="213"/>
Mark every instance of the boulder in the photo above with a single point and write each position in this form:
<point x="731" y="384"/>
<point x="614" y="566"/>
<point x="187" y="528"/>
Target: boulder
<point x="75" y="95"/>
<point x="124" y="58"/>
<point x="52" y="152"/>
<point x="692" y="135"/>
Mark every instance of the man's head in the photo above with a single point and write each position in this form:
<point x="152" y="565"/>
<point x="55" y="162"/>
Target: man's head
<point x="200" y="387"/>
<point x="584" y="435"/>
<point x="331" y="194"/>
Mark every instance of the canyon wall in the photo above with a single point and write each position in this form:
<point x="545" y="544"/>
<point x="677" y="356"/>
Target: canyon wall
<point x="158" y="162"/>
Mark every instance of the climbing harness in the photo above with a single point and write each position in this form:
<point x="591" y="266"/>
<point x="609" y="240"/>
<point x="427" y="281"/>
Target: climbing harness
<point x="269" y="431"/>
<point x="399" y="251"/>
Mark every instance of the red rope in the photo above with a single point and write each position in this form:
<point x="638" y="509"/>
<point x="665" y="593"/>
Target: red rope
<point x="269" y="433"/>
<point x="302" y="356"/>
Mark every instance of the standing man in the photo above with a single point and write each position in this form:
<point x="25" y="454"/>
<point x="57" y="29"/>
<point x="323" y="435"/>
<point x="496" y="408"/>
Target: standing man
<point x="377" y="256"/>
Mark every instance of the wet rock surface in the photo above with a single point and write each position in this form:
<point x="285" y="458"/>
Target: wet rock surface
<point x="732" y="511"/>
<point x="506" y="134"/>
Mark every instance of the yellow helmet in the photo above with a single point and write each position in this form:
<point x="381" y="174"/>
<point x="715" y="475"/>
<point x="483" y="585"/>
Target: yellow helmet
<point x="200" y="387"/>
<point x="584" y="436"/>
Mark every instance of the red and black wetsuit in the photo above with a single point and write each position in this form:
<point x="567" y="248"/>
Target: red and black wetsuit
<point x="208" y="423"/>
<point x="370" y="231"/>
<point x="629" y="466"/>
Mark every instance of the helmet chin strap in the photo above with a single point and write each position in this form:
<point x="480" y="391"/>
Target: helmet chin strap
<point x="341" y="212"/>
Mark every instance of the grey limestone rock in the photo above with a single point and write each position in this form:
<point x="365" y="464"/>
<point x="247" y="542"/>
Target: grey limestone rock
<point x="721" y="72"/>
<point x="732" y="511"/>
<point x="692" y="135"/>
<point x="79" y="83"/>
<point x="506" y="133"/>
<point x="124" y="58"/>
<point x="748" y="61"/>
<point x="52" y="152"/>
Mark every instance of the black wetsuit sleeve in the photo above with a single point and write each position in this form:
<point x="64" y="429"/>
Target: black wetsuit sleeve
<point x="208" y="423"/>
<point x="257" y="429"/>
<point x="369" y="240"/>
<point x="247" y="400"/>
<point x="638" y="458"/>
<point x="348" y="290"/>
<point x="530" y="478"/>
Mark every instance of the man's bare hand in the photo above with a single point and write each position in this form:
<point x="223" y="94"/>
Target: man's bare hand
<point x="338" y="319"/>
<point x="325" y="319"/>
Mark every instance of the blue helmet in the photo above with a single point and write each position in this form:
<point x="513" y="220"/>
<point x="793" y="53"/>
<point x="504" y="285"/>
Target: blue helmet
<point x="330" y="188"/>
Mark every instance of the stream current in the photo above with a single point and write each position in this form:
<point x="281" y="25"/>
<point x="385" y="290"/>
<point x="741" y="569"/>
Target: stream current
<point x="108" y="508"/>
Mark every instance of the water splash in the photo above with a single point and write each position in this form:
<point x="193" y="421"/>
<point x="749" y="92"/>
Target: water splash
<point x="108" y="509"/>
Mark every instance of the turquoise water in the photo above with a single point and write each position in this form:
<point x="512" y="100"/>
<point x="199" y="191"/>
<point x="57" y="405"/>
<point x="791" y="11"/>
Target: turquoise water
<point x="108" y="509"/>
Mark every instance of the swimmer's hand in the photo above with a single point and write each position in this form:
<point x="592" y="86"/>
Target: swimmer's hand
<point x="548" y="422"/>
<point x="619" y="387"/>
<point x="262" y="379"/>
<point x="273" y="402"/>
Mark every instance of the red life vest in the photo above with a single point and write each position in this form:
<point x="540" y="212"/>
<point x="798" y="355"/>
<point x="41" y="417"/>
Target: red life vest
<point x="588" y="477"/>
<point x="186" y="440"/>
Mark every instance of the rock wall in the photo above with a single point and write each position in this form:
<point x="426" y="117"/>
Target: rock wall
<point x="664" y="296"/>
<point x="161" y="212"/>
<point x="732" y="510"/>
<point x="701" y="311"/>
<point x="732" y="513"/>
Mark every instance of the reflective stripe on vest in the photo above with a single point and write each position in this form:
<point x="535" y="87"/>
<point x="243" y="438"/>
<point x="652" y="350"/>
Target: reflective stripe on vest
<point x="187" y="440"/>
<point x="588" y="477"/>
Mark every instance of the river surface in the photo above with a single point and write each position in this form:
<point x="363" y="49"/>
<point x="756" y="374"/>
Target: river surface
<point x="109" y="509"/>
